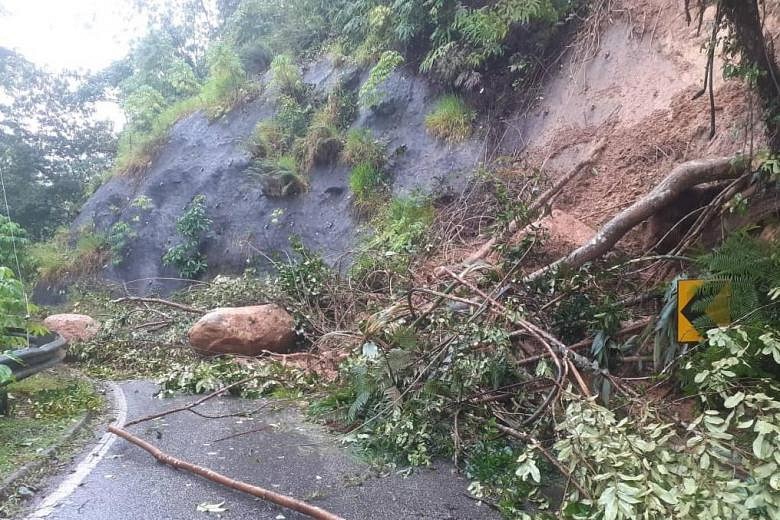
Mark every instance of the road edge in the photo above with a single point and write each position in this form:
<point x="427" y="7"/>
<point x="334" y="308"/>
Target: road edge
<point x="88" y="463"/>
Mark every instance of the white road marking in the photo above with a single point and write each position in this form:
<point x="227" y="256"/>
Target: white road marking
<point x="88" y="463"/>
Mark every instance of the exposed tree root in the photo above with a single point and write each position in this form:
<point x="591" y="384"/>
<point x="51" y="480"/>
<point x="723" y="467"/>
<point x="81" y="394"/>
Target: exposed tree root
<point x="683" y="177"/>
<point x="256" y="491"/>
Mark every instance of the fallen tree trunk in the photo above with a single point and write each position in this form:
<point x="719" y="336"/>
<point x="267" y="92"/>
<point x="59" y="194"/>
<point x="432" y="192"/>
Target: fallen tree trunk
<point x="256" y="491"/>
<point x="683" y="177"/>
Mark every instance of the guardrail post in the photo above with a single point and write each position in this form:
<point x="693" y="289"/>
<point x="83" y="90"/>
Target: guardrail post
<point x="4" y="401"/>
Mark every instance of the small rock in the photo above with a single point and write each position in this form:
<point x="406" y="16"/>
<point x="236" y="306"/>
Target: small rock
<point x="246" y="331"/>
<point x="73" y="327"/>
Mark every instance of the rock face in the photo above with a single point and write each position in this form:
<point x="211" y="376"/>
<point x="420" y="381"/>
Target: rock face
<point x="211" y="158"/>
<point x="246" y="331"/>
<point x="72" y="327"/>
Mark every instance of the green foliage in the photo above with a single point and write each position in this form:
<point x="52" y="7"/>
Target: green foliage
<point x="60" y="259"/>
<point x="292" y="117"/>
<point x="305" y="278"/>
<point x="227" y="83"/>
<point x="320" y="146"/>
<point x="286" y="79"/>
<point x="52" y="144"/>
<point x="192" y="227"/>
<point x="370" y="94"/>
<point x="339" y="110"/>
<point x="278" y="176"/>
<point x="491" y="467"/>
<point x="450" y="119"/>
<point x="264" y="378"/>
<point x="365" y="181"/>
<point x="267" y="140"/>
<point x="15" y="313"/>
<point x="400" y="229"/>
<point x="13" y="247"/>
<point x="722" y="465"/>
<point x="361" y="147"/>
<point x="119" y="237"/>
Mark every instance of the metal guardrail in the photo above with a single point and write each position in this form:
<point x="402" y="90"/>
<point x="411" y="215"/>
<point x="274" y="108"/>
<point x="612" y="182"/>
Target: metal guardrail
<point x="44" y="352"/>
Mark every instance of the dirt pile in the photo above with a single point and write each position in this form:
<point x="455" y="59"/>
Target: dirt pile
<point x="632" y="82"/>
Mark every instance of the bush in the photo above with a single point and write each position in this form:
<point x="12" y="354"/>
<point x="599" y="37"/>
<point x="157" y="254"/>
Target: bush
<point x="450" y="119"/>
<point x="320" y="146"/>
<point x="56" y="260"/>
<point x="286" y="79"/>
<point x="192" y="226"/>
<point x="15" y="311"/>
<point x="119" y="237"/>
<point x="370" y="95"/>
<point x="13" y="247"/>
<point x="365" y="180"/>
<point x="361" y="147"/>
<point x="279" y="176"/>
<point x="292" y="118"/>
<point x="267" y="140"/>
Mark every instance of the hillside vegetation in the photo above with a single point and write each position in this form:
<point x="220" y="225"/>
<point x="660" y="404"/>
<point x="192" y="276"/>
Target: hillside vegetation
<point x="552" y="376"/>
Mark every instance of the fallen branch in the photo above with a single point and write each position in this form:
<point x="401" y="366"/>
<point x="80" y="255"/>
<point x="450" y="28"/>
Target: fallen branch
<point x="633" y="327"/>
<point x="189" y="407"/>
<point x="180" y="306"/>
<point x="541" y="201"/>
<point x="256" y="491"/>
<point x="683" y="177"/>
<point x="537" y="445"/>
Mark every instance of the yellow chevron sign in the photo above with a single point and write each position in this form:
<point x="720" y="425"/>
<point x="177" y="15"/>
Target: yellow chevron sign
<point x="719" y="310"/>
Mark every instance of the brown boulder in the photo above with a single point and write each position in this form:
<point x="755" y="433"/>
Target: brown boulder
<point x="72" y="327"/>
<point x="247" y="331"/>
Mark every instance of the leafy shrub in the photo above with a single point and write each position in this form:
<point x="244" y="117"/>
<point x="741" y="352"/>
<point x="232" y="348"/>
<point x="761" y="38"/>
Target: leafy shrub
<point x="361" y="147"/>
<point x="450" y="119"/>
<point x="370" y="95"/>
<point x="119" y="237"/>
<point x="261" y="378"/>
<point x="278" y="176"/>
<point x="286" y="79"/>
<point x="267" y="140"/>
<point x="192" y="227"/>
<point x="255" y="56"/>
<point x="292" y="118"/>
<point x="364" y="181"/>
<point x="320" y="146"/>
<point x="56" y="260"/>
<point x="13" y="246"/>
<point x="15" y="312"/>
<point x="339" y="110"/>
<point x="227" y="83"/>
<point x="401" y="227"/>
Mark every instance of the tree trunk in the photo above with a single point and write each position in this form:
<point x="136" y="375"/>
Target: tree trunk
<point x="745" y="19"/>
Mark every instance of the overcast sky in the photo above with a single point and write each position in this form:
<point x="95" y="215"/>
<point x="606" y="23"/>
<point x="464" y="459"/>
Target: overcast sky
<point x="69" y="34"/>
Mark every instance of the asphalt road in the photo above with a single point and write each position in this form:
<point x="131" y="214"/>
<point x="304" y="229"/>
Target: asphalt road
<point x="283" y="453"/>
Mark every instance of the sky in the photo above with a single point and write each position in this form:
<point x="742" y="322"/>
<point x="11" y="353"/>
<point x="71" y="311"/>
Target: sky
<point x="86" y="35"/>
<point x="83" y="35"/>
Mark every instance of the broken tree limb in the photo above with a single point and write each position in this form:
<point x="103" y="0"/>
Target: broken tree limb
<point x="541" y="201"/>
<point x="256" y="491"/>
<point x="189" y="407"/>
<point x="682" y="177"/>
<point x="180" y="306"/>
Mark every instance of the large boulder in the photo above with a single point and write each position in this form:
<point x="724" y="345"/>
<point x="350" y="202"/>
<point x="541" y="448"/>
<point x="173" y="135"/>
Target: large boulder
<point x="73" y="327"/>
<point x="246" y="331"/>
